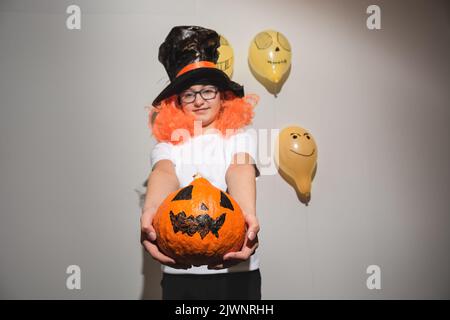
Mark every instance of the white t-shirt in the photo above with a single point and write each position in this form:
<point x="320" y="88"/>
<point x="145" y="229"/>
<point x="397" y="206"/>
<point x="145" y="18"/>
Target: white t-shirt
<point x="209" y="155"/>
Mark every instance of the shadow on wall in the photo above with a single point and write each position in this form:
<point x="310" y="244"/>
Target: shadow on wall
<point x="152" y="278"/>
<point x="151" y="269"/>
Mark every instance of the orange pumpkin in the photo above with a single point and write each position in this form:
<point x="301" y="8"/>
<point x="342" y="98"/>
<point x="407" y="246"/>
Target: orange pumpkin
<point x="199" y="224"/>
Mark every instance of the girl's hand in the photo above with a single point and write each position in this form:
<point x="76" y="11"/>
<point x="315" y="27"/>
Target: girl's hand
<point x="148" y="240"/>
<point x="248" y="248"/>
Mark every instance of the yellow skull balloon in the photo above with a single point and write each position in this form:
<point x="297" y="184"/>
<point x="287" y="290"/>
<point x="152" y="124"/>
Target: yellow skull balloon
<point x="226" y="57"/>
<point x="296" y="158"/>
<point x="270" y="59"/>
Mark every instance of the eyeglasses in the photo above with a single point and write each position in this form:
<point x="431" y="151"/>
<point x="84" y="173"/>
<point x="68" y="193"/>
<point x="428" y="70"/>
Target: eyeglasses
<point x="206" y="94"/>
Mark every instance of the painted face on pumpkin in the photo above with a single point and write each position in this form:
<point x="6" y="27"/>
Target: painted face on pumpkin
<point x="202" y="223"/>
<point x="199" y="224"/>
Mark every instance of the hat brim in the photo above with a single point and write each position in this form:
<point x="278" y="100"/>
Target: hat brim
<point x="201" y="75"/>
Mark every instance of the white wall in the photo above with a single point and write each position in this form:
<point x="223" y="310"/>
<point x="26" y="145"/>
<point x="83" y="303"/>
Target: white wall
<point x="75" y="145"/>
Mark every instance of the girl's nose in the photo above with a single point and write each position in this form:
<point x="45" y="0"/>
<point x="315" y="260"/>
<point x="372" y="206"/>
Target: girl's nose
<point x="198" y="100"/>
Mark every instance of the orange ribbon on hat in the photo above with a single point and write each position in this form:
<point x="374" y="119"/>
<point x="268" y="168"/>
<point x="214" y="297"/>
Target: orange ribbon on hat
<point x="196" y="65"/>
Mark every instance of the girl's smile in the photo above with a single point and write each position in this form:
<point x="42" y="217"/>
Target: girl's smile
<point x="201" y="110"/>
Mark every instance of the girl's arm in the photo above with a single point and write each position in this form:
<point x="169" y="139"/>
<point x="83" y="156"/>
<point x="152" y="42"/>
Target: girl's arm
<point x="241" y="181"/>
<point x="161" y="182"/>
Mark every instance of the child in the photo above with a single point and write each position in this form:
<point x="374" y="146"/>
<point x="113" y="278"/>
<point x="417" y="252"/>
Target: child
<point x="196" y="121"/>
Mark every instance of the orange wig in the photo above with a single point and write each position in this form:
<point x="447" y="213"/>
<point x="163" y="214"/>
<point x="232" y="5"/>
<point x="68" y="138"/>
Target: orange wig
<point x="168" y="116"/>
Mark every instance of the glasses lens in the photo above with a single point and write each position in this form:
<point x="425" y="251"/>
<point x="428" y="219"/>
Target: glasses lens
<point x="188" y="97"/>
<point x="208" y="94"/>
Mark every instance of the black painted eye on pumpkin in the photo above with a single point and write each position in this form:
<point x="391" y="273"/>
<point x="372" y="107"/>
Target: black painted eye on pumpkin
<point x="225" y="201"/>
<point x="184" y="194"/>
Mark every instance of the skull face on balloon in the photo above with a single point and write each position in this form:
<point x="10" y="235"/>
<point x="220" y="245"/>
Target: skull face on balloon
<point x="270" y="59"/>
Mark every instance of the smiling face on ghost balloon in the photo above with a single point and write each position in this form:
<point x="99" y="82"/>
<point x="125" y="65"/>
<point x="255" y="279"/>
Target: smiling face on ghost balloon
<point x="296" y="158"/>
<point x="300" y="144"/>
<point x="297" y="150"/>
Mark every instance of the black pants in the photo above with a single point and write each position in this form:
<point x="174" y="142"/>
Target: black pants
<point x="223" y="286"/>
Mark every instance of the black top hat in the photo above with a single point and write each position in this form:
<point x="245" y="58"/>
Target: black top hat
<point x="189" y="55"/>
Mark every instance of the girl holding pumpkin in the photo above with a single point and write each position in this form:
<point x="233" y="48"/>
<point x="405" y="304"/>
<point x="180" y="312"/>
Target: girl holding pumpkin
<point x="199" y="100"/>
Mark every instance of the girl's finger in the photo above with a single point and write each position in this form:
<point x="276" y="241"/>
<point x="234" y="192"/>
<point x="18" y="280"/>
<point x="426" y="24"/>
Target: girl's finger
<point x="156" y="254"/>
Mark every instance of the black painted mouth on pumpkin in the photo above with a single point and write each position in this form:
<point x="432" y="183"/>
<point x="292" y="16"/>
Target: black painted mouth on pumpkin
<point x="305" y="155"/>
<point x="202" y="224"/>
